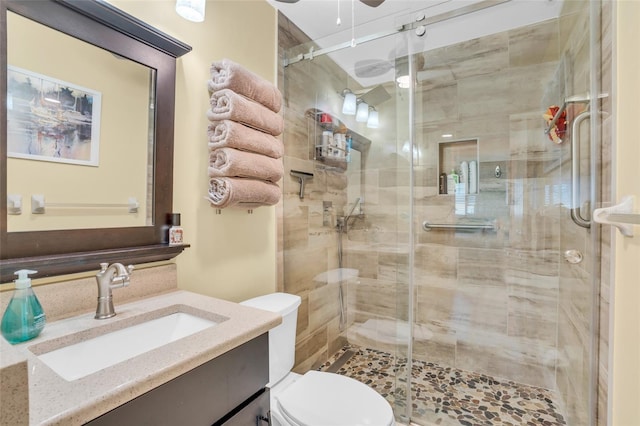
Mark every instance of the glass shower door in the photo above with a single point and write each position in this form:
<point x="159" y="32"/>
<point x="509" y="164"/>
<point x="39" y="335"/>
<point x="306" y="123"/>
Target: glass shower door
<point x="346" y="234"/>
<point x="504" y="328"/>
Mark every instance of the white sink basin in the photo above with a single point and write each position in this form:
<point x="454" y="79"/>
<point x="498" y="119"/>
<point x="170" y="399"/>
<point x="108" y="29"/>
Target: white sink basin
<point x="81" y="359"/>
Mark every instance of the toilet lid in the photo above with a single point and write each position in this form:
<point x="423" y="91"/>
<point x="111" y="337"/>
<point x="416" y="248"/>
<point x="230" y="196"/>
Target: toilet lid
<point x="327" y="399"/>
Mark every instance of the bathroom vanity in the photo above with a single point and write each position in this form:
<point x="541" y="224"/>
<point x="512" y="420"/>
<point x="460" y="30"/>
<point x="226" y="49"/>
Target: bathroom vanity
<point x="215" y="376"/>
<point x="228" y="390"/>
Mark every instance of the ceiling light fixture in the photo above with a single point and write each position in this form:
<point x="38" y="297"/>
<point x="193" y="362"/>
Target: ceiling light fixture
<point x="363" y="112"/>
<point x="373" y="121"/>
<point x="191" y="10"/>
<point x="349" y="103"/>
<point x="404" y="81"/>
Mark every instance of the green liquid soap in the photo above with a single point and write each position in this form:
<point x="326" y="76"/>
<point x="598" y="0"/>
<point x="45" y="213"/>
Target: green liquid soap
<point x="24" y="318"/>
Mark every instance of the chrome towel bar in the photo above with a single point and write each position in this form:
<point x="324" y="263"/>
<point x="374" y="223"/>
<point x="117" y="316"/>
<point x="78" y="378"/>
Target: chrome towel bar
<point x="38" y="205"/>
<point x="459" y="226"/>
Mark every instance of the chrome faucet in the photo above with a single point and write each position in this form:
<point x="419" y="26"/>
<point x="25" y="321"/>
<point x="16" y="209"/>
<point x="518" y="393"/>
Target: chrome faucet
<point x="110" y="277"/>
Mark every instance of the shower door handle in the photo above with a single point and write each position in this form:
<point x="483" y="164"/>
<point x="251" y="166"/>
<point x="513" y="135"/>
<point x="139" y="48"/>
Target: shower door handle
<point x="576" y="211"/>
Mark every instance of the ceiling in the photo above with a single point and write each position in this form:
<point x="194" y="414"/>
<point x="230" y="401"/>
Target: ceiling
<point x="373" y="63"/>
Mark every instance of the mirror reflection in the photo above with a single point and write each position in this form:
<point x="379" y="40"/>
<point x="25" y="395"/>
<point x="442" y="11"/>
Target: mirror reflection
<point x="75" y="133"/>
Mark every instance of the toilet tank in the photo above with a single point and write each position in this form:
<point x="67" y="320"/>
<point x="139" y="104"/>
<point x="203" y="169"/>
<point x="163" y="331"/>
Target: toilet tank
<point x="282" y="339"/>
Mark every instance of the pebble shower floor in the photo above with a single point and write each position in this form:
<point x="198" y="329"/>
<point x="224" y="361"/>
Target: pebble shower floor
<point x="448" y="396"/>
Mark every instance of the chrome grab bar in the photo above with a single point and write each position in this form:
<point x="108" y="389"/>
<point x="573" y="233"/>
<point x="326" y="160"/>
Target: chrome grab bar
<point x="576" y="213"/>
<point x="462" y="226"/>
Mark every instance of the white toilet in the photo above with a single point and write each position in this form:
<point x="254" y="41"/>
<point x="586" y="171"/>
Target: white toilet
<point x="315" y="398"/>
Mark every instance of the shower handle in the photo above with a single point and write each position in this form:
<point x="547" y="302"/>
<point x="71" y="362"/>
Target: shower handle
<point x="576" y="211"/>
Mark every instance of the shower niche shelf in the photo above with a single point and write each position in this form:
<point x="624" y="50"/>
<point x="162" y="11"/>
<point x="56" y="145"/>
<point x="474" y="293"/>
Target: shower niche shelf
<point x="331" y="140"/>
<point x="451" y="155"/>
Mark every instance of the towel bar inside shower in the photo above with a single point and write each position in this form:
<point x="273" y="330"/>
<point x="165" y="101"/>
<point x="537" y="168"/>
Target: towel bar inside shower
<point x="427" y="226"/>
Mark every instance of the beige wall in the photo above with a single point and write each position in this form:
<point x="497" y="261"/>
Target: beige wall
<point x="625" y="384"/>
<point x="232" y="255"/>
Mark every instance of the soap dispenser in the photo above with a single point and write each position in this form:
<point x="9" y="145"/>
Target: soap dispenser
<point x="24" y="318"/>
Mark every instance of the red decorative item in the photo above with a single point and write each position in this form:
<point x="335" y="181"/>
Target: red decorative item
<point x="557" y="132"/>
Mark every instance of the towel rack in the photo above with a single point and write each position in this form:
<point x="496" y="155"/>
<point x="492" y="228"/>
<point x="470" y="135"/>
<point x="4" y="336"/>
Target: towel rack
<point x="38" y="205"/>
<point x="427" y="226"/>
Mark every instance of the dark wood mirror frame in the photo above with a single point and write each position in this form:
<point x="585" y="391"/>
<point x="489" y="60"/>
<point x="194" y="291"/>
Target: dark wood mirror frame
<point x="60" y="252"/>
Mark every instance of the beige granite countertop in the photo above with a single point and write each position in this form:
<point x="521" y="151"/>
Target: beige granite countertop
<point x="53" y="400"/>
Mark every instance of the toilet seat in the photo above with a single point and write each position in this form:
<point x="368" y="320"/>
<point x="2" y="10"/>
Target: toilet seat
<point x="327" y="399"/>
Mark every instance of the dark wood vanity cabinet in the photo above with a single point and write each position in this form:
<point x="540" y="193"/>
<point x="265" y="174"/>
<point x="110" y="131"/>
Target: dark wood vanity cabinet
<point x="228" y="390"/>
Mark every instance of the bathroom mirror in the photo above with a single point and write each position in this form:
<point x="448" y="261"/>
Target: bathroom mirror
<point x="138" y="52"/>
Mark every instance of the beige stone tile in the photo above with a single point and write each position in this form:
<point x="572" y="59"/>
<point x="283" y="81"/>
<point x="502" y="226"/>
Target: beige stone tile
<point x="310" y="349"/>
<point x="442" y="104"/>
<point x="434" y="304"/>
<point x="435" y="264"/>
<point x="481" y="267"/>
<point x="336" y="338"/>
<point x="296" y="224"/>
<point x="534" y="44"/>
<point x="478" y="308"/>
<point x="393" y="266"/>
<point x="533" y="319"/>
<point x="379" y="298"/>
<point x="522" y="360"/>
<point x="323" y="305"/>
<point x="484" y="96"/>
<point x="364" y="261"/>
<point x="475" y="57"/>
<point x="525" y="85"/>
<point x="439" y="347"/>
<point x="299" y="271"/>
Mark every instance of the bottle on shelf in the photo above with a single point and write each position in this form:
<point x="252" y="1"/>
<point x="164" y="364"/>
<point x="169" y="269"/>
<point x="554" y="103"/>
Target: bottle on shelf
<point x="464" y="177"/>
<point x="175" y="232"/>
<point x="327" y="143"/>
<point x="442" y="183"/>
<point x="452" y="180"/>
<point x="473" y="177"/>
